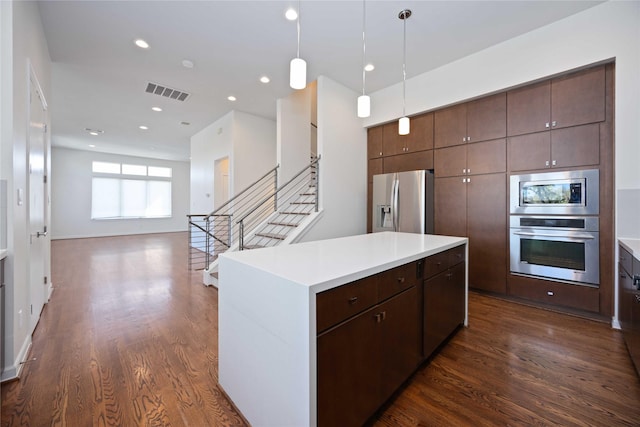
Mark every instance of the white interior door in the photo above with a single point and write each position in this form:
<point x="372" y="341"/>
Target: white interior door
<point x="37" y="205"/>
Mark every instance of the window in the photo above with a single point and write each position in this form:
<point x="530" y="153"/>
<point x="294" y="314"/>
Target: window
<point x="139" y="192"/>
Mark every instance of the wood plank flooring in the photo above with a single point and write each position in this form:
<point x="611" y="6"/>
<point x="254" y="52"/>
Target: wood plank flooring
<point x="129" y="338"/>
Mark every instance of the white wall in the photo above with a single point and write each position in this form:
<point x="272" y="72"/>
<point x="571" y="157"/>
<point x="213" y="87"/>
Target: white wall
<point x="250" y="144"/>
<point x="294" y="132"/>
<point x="71" y="197"/>
<point x="23" y="43"/>
<point x="610" y="30"/>
<point x="342" y="145"/>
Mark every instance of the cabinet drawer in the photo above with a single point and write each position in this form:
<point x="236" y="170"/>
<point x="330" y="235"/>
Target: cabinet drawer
<point x="335" y="305"/>
<point x="396" y="280"/>
<point x="625" y="259"/>
<point x="440" y="262"/>
<point x="560" y="294"/>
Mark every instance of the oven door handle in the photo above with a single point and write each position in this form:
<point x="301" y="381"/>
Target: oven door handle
<point x="575" y="236"/>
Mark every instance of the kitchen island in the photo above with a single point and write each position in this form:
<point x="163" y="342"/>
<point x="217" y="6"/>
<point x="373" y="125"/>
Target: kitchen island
<point x="268" y="332"/>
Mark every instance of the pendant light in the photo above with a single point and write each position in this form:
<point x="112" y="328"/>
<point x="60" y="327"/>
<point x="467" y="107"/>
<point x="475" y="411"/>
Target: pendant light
<point x="298" y="66"/>
<point x="364" y="102"/>
<point x="403" y="124"/>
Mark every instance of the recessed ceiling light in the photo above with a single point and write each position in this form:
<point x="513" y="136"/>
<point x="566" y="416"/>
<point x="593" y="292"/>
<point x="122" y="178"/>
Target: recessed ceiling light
<point x="185" y="123"/>
<point x="94" y="132"/>
<point x="265" y="79"/>
<point x="156" y="108"/>
<point x="142" y="44"/>
<point x="92" y="145"/>
<point x="231" y="98"/>
<point x="369" y="67"/>
<point x="291" y="14"/>
<point x="187" y="64"/>
<point x="143" y="127"/>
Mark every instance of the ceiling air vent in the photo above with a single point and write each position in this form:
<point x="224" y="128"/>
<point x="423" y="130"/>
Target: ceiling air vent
<point x="167" y="92"/>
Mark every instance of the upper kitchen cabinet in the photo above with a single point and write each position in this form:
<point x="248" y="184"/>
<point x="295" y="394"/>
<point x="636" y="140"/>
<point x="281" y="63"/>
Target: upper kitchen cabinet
<point x="562" y="148"/>
<point x="374" y="142"/>
<point x="474" y="121"/>
<point x="419" y="139"/>
<point x="575" y="99"/>
<point x="471" y="159"/>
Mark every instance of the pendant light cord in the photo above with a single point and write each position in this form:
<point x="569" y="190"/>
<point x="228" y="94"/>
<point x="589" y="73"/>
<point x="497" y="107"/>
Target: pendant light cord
<point x="404" y="66"/>
<point x="298" y="25"/>
<point x="364" y="50"/>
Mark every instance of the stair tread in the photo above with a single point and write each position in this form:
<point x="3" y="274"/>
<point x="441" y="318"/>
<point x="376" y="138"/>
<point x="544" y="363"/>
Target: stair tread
<point x="303" y="203"/>
<point x="253" y="246"/>
<point x="284" y="224"/>
<point x="294" y="213"/>
<point x="272" y="236"/>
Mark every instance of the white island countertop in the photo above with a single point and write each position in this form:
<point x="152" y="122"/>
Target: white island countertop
<point x="632" y="245"/>
<point x="267" y="315"/>
<point x="324" y="264"/>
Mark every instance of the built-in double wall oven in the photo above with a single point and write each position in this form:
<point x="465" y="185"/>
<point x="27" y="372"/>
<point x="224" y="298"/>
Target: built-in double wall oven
<point x="554" y="226"/>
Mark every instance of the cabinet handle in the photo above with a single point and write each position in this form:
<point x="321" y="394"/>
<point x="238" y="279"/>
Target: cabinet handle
<point x="554" y="123"/>
<point x="380" y="316"/>
<point x="546" y="125"/>
<point x="400" y="279"/>
<point x="468" y="138"/>
<point x="468" y="170"/>
<point x="546" y="163"/>
<point x="381" y="153"/>
<point x="464" y="171"/>
<point x="553" y="163"/>
<point x="550" y="293"/>
<point x="353" y="300"/>
<point x="384" y="314"/>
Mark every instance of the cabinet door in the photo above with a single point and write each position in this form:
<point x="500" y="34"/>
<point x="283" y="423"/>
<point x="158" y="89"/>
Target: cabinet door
<point x="578" y="98"/>
<point x="401" y="344"/>
<point x="349" y="364"/>
<point x="576" y="146"/>
<point x="443" y="307"/>
<point x="374" y="167"/>
<point x="450" y="217"/>
<point x="487" y="231"/>
<point x="421" y="136"/>
<point x="450" y="161"/>
<point x="625" y="298"/>
<point x="487" y="118"/>
<point x="450" y="126"/>
<point x="374" y="142"/>
<point x="529" y="108"/>
<point x="633" y="337"/>
<point x="529" y="152"/>
<point x="409" y="162"/>
<point x="392" y="143"/>
<point x="487" y="157"/>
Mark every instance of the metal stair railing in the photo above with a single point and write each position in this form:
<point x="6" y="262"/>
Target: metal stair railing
<point x="307" y="178"/>
<point x="214" y="233"/>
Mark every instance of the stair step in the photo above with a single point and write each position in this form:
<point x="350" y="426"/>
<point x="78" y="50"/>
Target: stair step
<point x="308" y="194"/>
<point x="294" y="213"/>
<point x="303" y="203"/>
<point x="284" y="224"/>
<point x="253" y="246"/>
<point x="272" y="236"/>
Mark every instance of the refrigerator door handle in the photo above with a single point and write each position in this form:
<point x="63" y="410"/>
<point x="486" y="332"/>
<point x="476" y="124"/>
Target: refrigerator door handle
<point x="395" y="204"/>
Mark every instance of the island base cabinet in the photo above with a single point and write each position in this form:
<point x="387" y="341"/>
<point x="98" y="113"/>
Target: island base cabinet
<point x="363" y="360"/>
<point x="443" y="306"/>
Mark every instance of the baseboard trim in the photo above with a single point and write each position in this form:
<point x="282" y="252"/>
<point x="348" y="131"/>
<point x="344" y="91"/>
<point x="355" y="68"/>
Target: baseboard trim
<point x="13" y="372"/>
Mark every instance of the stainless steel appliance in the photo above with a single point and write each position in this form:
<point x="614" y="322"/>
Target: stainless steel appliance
<point x="403" y="201"/>
<point x="556" y="193"/>
<point x="560" y="248"/>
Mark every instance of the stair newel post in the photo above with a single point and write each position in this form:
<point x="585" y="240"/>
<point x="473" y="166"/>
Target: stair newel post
<point x="317" y="182"/>
<point x="241" y="237"/>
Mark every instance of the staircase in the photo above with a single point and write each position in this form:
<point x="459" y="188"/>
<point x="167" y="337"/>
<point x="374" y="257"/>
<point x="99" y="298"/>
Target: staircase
<point x="269" y="219"/>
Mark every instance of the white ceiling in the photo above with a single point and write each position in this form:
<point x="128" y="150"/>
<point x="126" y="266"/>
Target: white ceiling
<point x="99" y="75"/>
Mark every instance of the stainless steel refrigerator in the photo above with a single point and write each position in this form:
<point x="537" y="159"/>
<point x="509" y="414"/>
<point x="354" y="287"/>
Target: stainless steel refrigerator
<point x="403" y="201"/>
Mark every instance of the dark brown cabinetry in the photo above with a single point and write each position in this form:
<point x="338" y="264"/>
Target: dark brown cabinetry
<point x="471" y="159"/>
<point x="629" y="303"/>
<point x="575" y="99"/>
<point x="370" y="345"/>
<point x="562" y="148"/>
<point x="444" y="290"/>
<point x="475" y="207"/>
<point x="473" y="121"/>
<point x="419" y="139"/>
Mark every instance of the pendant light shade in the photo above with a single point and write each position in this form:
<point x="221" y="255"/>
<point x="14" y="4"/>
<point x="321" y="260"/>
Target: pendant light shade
<point x="298" y="73"/>
<point x="298" y="66"/>
<point x="364" y="102"/>
<point x="404" y="127"/>
<point x="364" y="106"/>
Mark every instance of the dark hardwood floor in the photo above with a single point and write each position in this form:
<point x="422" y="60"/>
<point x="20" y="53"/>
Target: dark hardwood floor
<point x="129" y="338"/>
